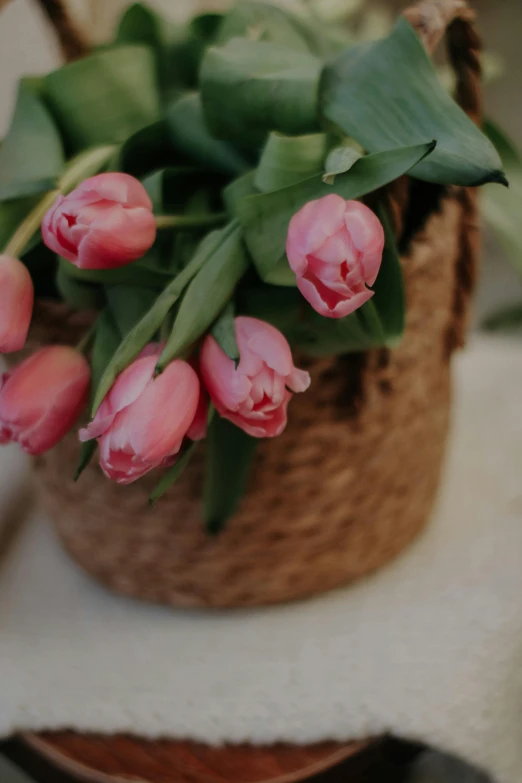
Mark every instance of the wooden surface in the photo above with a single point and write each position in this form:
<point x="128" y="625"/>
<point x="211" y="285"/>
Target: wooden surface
<point x="122" y="759"/>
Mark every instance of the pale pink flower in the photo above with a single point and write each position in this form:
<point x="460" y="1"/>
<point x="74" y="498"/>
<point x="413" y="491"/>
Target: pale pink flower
<point x="104" y="223"/>
<point x="16" y="303"/>
<point x="254" y="396"/>
<point x="42" y="398"/>
<point x="143" y="420"/>
<point x="335" y="249"/>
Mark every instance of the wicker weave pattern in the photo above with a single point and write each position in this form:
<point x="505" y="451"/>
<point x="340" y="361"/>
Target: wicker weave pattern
<point x="350" y="482"/>
<point x="340" y="493"/>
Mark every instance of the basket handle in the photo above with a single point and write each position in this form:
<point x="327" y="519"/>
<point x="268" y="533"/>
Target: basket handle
<point x="432" y="19"/>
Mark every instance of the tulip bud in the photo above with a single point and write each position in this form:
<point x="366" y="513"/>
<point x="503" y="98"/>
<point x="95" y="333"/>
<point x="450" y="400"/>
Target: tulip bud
<point x="41" y="399"/>
<point x="335" y="249"/>
<point x="106" y="222"/>
<point x="143" y="420"/>
<point x="16" y="304"/>
<point x="256" y="395"/>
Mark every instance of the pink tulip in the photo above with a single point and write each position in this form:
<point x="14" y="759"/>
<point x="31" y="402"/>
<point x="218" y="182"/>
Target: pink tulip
<point x="143" y="420"/>
<point x="335" y="249"/>
<point x="16" y="304"/>
<point x="256" y="395"/>
<point x="41" y="399"/>
<point x="104" y="223"/>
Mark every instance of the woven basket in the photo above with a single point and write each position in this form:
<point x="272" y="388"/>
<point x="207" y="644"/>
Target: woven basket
<point x="351" y="481"/>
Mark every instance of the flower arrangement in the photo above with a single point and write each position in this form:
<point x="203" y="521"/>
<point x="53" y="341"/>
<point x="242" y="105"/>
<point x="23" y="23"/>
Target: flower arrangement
<point x="215" y="194"/>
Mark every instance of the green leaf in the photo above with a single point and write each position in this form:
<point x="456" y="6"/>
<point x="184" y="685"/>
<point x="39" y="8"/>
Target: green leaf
<point x="12" y="213"/>
<point x="286" y="160"/>
<point x="209" y="291"/>
<point x="228" y="459"/>
<point x="80" y="295"/>
<point x="178" y="48"/>
<point x="501" y="207"/>
<point x="128" y="305"/>
<point x="173" y="474"/>
<point x="106" y="341"/>
<point x="139" y="273"/>
<point x="190" y="136"/>
<point x="148" y="149"/>
<point x="249" y="88"/>
<point x="147" y="327"/>
<point x="387" y="94"/>
<point x="260" y="21"/>
<point x="237" y="190"/>
<point x="105" y="97"/>
<point x="340" y="160"/>
<point x="31" y="155"/>
<point x="87" y="451"/>
<point x="224" y="332"/>
<point x="389" y="299"/>
<point x="265" y="217"/>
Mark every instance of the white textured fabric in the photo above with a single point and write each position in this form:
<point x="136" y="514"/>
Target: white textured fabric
<point x="430" y="648"/>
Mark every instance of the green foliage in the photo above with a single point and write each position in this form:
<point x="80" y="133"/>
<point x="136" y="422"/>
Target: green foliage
<point x="190" y="136"/>
<point x="228" y="458"/>
<point x="224" y="332"/>
<point x="31" y="155"/>
<point x="173" y="473"/>
<point x="105" y="97"/>
<point x="208" y="292"/>
<point x="387" y="94"/>
<point x="235" y="121"/>
<point x="286" y="160"/>
<point x="249" y="88"/>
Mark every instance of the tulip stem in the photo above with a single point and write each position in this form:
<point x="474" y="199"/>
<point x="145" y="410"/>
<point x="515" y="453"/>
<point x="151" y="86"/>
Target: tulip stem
<point x="30" y="225"/>
<point x="190" y="221"/>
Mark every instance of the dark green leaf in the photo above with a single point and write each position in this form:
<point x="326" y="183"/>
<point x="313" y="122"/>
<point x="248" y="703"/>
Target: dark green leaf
<point x="87" y="451"/>
<point x="387" y="94"/>
<point x="208" y="292"/>
<point x="389" y="300"/>
<point x="190" y="136"/>
<point x="229" y="456"/>
<point x="286" y="160"/>
<point x="106" y="97"/>
<point x="147" y="327"/>
<point x="224" y="332"/>
<point x="502" y="208"/>
<point x="173" y="474"/>
<point x="31" y="155"/>
<point x="128" y="305"/>
<point x="80" y="295"/>
<point x="238" y="189"/>
<point x="106" y="341"/>
<point x="148" y="149"/>
<point x="249" y="88"/>
<point x="265" y="217"/>
<point x="139" y="273"/>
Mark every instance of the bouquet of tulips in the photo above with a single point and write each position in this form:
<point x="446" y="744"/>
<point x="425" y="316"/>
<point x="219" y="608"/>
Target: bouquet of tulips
<point x="213" y="193"/>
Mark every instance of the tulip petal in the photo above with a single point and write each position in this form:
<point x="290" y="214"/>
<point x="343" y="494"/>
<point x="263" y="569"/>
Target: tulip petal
<point x="311" y="226"/>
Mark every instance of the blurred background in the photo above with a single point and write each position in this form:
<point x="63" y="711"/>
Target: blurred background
<point x="28" y="45"/>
